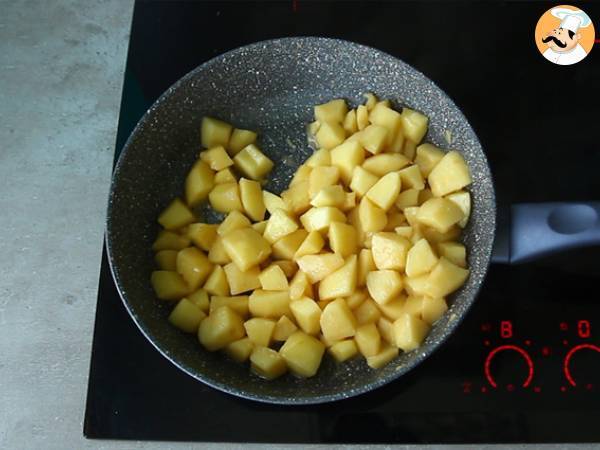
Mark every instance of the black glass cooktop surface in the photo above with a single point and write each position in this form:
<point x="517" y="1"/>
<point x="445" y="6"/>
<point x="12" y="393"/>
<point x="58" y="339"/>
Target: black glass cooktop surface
<point x="524" y="366"/>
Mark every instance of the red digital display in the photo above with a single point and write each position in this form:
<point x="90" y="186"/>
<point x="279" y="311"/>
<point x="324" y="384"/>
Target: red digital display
<point x="583" y="329"/>
<point x="506" y="329"/>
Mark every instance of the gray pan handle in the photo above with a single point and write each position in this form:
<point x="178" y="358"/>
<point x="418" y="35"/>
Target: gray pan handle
<point x="538" y="229"/>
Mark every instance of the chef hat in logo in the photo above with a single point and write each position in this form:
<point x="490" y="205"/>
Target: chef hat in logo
<point x="570" y="19"/>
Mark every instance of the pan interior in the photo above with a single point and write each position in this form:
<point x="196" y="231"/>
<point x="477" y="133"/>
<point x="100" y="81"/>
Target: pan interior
<point x="271" y="87"/>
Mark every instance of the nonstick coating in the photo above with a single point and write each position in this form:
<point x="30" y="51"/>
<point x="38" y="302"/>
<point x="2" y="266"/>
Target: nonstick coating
<point x="271" y="87"/>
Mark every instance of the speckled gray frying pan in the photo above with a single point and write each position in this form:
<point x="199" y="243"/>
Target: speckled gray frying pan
<point x="271" y="87"/>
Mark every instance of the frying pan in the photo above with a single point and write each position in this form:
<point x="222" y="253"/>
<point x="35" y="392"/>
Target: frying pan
<point x="271" y="87"/>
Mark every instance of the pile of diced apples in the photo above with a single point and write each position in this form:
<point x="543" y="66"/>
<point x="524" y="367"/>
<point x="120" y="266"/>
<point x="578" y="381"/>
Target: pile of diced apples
<point x="356" y="257"/>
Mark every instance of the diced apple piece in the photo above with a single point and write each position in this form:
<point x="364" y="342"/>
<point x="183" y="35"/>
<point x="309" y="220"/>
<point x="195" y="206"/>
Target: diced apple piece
<point x="286" y="247"/>
<point x="300" y="286"/>
<point x="405" y="231"/>
<point x="312" y="244"/>
<point x="200" y="299"/>
<point x="370" y="100"/>
<point x="356" y="299"/>
<point x="273" y="202"/>
<point x="216" y="283"/>
<point x="340" y="283"/>
<point x="389" y="250"/>
<point x="349" y="202"/>
<point x="411" y="178"/>
<point x="203" y="235"/>
<point x="269" y="304"/>
<point x="240" y="350"/>
<point x="319" y="219"/>
<point x="214" y="132"/>
<point x="386" y="330"/>
<point x="388" y="118"/>
<point x="350" y="125"/>
<point x="252" y="199"/>
<point x="307" y="314"/>
<point x="410" y="149"/>
<point x="332" y="111"/>
<point x="217" y="253"/>
<point x="455" y="252"/>
<point x="317" y="267"/>
<point x="368" y="339"/>
<point x="289" y="268"/>
<point x="362" y="117"/>
<point x="432" y="309"/>
<point x="337" y="321"/>
<point x="449" y="175"/>
<point x="273" y="279"/>
<point x="198" y="183"/>
<point x="407" y="198"/>
<point x="321" y="177"/>
<point x="301" y="174"/>
<point x="425" y="195"/>
<point x="280" y="224"/>
<point x="240" y="139"/>
<point x="194" y="267"/>
<point x="414" y="124"/>
<point x="416" y="285"/>
<point x="440" y="214"/>
<point x="463" y="201"/>
<point x="313" y="127"/>
<point x="220" y="328"/>
<point x="225" y="198"/>
<point x="366" y="264"/>
<point x="346" y="157"/>
<point x="168" y="240"/>
<point x="362" y="181"/>
<point x="394" y="219"/>
<point x="385" y="355"/>
<point x="252" y="163"/>
<point x="284" y="328"/>
<point x="225" y="176"/>
<point x="166" y="259"/>
<point x="427" y="156"/>
<point x="241" y="281"/>
<point x="260" y="227"/>
<point x="382" y="164"/>
<point x="303" y="354"/>
<point x="169" y="285"/>
<point x="371" y="216"/>
<point x="296" y="198"/>
<point x="330" y="135"/>
<point x="216" y="157"/>
<point x="435" y="237"/>
<point x="342" y="239"/>
<point x="260" y="330"/>
<point x="410" y="332"/>
<point x="397" y="144"/>
<point x="319" y="158"/>
<point x="246" y="248"/>
<point x="186" y="316"/>
<point x="367" y="312"/>
<point x="267" y="363"/>
<point x="384" y="285"/>
<point x="238" y="303"/>
<point x="394" y="308"/>
<point x="176" y="215"/>
<point x="330" y="196"/>
<point x="420" y="259"/>
<point x="445" y="278"/>
<point x="234" y="221"/>
<point x="343" y="350"/>
<point x="385" y="191"/>
<point x="373" y="138"/>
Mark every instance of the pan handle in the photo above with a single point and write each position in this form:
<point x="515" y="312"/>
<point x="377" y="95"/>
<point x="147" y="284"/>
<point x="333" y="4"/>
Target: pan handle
<point x="538" y="229"/>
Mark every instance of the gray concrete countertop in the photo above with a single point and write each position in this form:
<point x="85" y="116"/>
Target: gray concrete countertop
<point x="61" y="70"/>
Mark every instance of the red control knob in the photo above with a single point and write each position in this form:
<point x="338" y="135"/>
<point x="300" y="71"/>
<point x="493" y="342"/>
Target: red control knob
<point x="508" y="348"/>
<point x="567" y="362"/>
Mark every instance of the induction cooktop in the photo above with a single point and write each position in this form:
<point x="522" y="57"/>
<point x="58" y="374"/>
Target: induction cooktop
<point x="524" y="366"/>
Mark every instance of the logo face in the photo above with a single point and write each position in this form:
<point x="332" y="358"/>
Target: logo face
<point x="565" y="35"/>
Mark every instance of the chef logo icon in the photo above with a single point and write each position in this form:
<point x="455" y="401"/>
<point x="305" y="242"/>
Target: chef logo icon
<point x="564" y="35"/>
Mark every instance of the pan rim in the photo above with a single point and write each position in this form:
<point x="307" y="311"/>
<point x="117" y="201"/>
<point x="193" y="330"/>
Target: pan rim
<point x="424" y="351"/>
